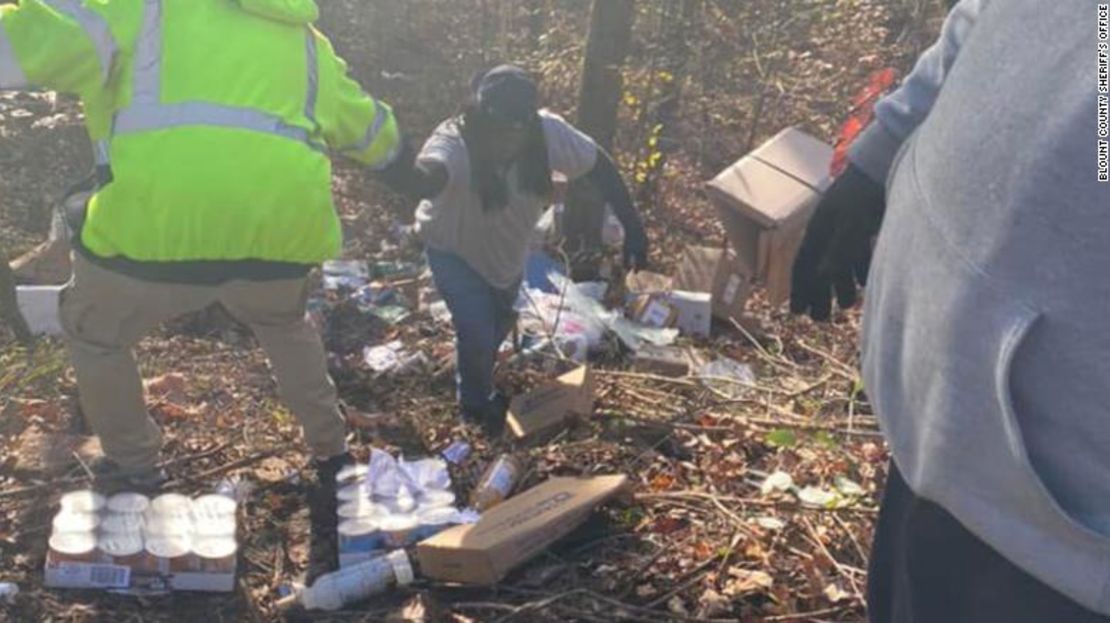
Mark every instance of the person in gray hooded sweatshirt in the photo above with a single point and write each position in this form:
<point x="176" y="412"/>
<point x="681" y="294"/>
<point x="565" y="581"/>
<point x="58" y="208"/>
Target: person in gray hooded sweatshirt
<point x="985" y="340"/>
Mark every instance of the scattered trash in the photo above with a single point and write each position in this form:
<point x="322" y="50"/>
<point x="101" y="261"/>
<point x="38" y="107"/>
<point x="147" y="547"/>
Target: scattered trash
<point x="457" y="452"/>
<point x="818" y="497"/>
<point x="334" y="590"/>
<point x="662" y="360"/>
<point x="778" y="481"/>
<point x="392" y="359"/>
<point x="385" y="504"/>
<point x="514" y="531"/>
<point x="39" y="307"/>
<point x="719" y="272"/>
<point x="349" y="274"/>
<point x="497" y="483"/>
<point x="653" y="310"/>
<point x="727" y="376"/>
<point x="694" y="311"/>
<point x="8" y="591"/>
<point x="550" y="406"/>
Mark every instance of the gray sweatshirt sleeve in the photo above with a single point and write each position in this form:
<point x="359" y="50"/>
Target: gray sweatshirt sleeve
<point x="898" y="114"/>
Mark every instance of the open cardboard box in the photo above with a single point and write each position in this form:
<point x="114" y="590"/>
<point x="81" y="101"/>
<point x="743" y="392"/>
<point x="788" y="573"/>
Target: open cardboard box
<point x="551" y="406"/>
<point x="765" y="200"/>
<point x="719" y="272"/>
<point x="514" y="531"/>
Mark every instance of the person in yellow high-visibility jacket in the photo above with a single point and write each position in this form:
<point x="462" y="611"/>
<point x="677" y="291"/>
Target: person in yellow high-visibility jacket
<point x="211" y="122"/>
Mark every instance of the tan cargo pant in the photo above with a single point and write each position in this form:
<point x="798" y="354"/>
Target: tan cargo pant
<point x="104" y="314"/>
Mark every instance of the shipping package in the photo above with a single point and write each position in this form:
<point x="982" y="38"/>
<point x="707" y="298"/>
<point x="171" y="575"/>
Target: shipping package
<point x="718" y="271"/>
<point x="551" y="406"/>
<point x="694" y="311"/>
<point x="653" y="310"/>
<point x="669" y="361"/>
<point x="128" y="542"/>
<point x="515" y="531"/>
<point x="765" y="200"/>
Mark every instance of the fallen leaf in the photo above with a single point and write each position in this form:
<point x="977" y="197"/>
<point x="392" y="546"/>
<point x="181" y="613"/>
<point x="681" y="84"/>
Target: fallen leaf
<point x="677" y="605"/>
<point x="778" y="481"/>
<point x="835" y="594"/>
<point x="273" y="469"/>
<point x="662" y="482"/>
<point x="848" y="487"/>
<point x="712" y="604"/>
<point x="745" y="581"/>
<point x="770" y="523"/>
<point x="168" y="387"/>
<point x="818" y="497"/>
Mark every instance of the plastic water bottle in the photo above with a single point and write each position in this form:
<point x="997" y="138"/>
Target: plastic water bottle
<point x="355" y="583"/>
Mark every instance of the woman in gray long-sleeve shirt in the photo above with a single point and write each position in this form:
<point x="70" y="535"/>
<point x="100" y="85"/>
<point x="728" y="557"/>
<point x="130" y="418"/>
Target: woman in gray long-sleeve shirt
<point x="985" y="346"/>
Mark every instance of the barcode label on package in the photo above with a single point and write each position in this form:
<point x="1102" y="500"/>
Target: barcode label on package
<point x="86" y="575"/>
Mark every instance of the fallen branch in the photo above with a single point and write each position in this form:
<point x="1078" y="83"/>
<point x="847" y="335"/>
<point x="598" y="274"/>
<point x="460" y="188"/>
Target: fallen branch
<point x="783" y="504"/>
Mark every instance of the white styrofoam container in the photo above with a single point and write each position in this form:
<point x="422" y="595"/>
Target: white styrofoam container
<point x="695" y="311"/>
<point x="39" y="306"/>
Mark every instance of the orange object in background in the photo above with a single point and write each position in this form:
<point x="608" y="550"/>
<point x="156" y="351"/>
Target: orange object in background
<point x="863" y="111"/>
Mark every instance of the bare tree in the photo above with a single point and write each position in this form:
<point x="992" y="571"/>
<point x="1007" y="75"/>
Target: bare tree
<point x="606" y="48"/>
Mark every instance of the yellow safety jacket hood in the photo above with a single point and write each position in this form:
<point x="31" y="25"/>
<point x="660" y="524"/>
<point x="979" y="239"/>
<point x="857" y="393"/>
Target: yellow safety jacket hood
<point x="286" y="11"/>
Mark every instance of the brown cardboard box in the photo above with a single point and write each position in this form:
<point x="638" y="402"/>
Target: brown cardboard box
<point x="719" y="272"/>
<point x="647" y="282"/>
<point x="550" y="406"/>
<point x="514" y="531"/>
<point x="764" y="201"/>
<point x="653" y="310"/>
<point x="662" y="360"/>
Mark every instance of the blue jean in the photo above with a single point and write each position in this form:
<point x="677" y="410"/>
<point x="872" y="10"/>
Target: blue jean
<point x="483" y="315"/>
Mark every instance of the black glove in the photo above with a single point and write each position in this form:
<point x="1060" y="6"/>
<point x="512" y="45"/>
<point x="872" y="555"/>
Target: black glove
<point x="836" y="251"/>
<point x="635" y="253"/>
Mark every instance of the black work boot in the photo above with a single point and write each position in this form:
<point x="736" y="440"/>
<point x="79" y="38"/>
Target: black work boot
<point x="110" y="478"/>
<point x="322" y="507"/>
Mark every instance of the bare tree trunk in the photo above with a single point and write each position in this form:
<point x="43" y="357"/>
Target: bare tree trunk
<point x="606" y="48"/>
<point x="9" y="308"/>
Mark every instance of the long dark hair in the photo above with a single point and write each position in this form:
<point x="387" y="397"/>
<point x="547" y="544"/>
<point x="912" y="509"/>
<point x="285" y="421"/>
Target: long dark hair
<point x="533" y="171"/>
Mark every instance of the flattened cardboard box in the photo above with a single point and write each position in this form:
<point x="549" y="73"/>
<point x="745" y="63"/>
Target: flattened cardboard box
<point x="765" y="199"/>
<point x="550" y="406"/>
<point x="720" y="272"/>
<point x="514" y="531"/>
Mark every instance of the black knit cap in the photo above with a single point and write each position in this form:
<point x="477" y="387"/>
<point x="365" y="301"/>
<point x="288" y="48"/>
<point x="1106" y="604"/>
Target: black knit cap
<point x="507" y="93"/>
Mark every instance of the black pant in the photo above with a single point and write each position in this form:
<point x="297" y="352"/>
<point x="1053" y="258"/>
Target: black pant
<point x="927" y="568"/>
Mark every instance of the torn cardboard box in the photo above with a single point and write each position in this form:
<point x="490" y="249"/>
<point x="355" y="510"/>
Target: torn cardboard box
<point x="549" y="407"/>
<point x="765" y="200"/>
<point x="719" y="272"/>
<point x="515" y="531"/>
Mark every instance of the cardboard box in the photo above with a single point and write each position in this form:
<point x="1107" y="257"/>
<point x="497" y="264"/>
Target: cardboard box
<point x="695" y="311"/>
<point x="647" y="282"/>
<point x="662" y="360"/>
<point x="764" y="201"/>
<point x="85" y="575"/>
<point x="514" y="531"/>
<point x="39" y="306"/>
<point x="720" y="272"/>
<point x="653" y="310"/>
<point x="550" y="407"/>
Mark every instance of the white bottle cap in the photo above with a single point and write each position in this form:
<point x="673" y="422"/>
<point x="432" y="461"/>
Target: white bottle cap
<point x="402" y="568"/>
